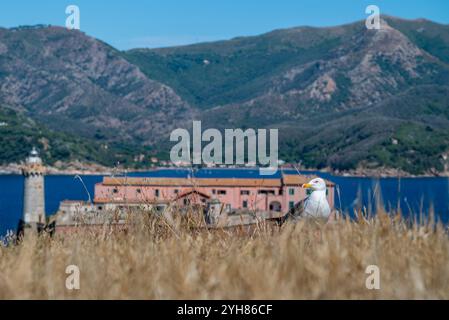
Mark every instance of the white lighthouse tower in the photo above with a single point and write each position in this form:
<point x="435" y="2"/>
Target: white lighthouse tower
<point x="33" y="195"/>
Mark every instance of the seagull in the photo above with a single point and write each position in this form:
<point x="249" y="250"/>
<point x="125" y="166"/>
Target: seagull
<point x="314" y="206"/>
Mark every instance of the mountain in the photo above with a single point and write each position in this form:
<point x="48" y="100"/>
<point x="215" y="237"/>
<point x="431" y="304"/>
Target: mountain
<point x="81" y="85"/>
<point x="326" y="67"/>
<point x="343" y="97"/>
<point x="331" y="91"/>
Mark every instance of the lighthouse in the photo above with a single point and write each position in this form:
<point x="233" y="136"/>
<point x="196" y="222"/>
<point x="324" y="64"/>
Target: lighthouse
<point x="33" y="192"/>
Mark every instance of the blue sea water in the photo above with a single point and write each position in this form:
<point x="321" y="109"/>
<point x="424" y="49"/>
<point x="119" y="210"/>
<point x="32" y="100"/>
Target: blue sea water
<point x="415" y="195"/>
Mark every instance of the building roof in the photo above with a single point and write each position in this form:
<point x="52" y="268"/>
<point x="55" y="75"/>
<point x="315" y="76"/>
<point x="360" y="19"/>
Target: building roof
<point x="291" y="180"/>
<point x="125" y="201"/>
<point x="198" y="182"/>
<point x="299" y="180"/>
<point x="74" y="202"/>
<point x="196" y="192"/>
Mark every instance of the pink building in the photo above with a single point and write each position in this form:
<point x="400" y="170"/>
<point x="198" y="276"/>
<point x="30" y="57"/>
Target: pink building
<point x="277" y="195"/>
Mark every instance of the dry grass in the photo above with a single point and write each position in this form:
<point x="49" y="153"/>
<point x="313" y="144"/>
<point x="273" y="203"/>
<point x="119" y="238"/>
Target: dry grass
<point x="308" y="260"/>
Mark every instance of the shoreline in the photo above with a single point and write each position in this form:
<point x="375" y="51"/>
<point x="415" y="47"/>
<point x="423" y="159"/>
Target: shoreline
<point x="387" y="173"/>
<point x="81" y="169"/>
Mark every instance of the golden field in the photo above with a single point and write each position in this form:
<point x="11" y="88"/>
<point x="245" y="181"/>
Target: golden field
<point x="307" y="260"/>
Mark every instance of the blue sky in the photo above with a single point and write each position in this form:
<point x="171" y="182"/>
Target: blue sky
<point x="159" y="23"/>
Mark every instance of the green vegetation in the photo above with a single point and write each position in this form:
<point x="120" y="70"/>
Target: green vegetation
<point x="408" y="132"/>
<point x="18" y="134"/>
<point x="414" y="148"/>
<point x="232" y="71"/>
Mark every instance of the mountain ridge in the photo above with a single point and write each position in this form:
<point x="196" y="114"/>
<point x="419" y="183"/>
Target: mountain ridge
<point x="286" y="78"/>
<point x="64" y="76"/>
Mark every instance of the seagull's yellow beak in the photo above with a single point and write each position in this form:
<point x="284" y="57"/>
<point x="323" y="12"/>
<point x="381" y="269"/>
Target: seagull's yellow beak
<point x="307" y="186"/>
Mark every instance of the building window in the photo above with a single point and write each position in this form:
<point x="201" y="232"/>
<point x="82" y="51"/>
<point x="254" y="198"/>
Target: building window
<point x="245" y="204"/>
<point x="291" y="191"/>
<point x="139" y="191"/>
<point x="244" y="192"/>
<point x="156" y="192"/>
<point x="115" y="190"/>
<point x="275" y="206"/>
<point x="214" y="191"/>
<point x="291" y="204"/>
<point x="266" y="192"/>
<point x="281" y="192"/>
<point x="221" y="192"/>
<point x="176" y="191"/>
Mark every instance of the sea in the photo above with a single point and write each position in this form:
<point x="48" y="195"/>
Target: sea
<point x="416" y="197"/>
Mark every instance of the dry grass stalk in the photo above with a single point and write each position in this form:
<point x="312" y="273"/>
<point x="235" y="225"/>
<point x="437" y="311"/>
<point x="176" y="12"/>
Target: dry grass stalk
<point x="310" y="260"/>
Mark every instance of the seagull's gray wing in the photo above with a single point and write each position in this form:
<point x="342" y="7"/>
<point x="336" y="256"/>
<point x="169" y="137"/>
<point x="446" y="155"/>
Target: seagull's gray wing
<point x="295" y="212"/>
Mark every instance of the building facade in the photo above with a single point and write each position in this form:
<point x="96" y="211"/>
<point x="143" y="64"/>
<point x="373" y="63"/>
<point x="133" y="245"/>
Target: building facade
<point x="225" y="202"/>
<point x="278" y="195"/>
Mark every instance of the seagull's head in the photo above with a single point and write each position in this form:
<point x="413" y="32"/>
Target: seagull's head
<point x="316" y="184"/>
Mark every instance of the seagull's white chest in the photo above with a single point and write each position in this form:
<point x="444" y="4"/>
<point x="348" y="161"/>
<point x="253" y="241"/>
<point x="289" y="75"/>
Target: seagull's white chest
<point x="316" y="205"/>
